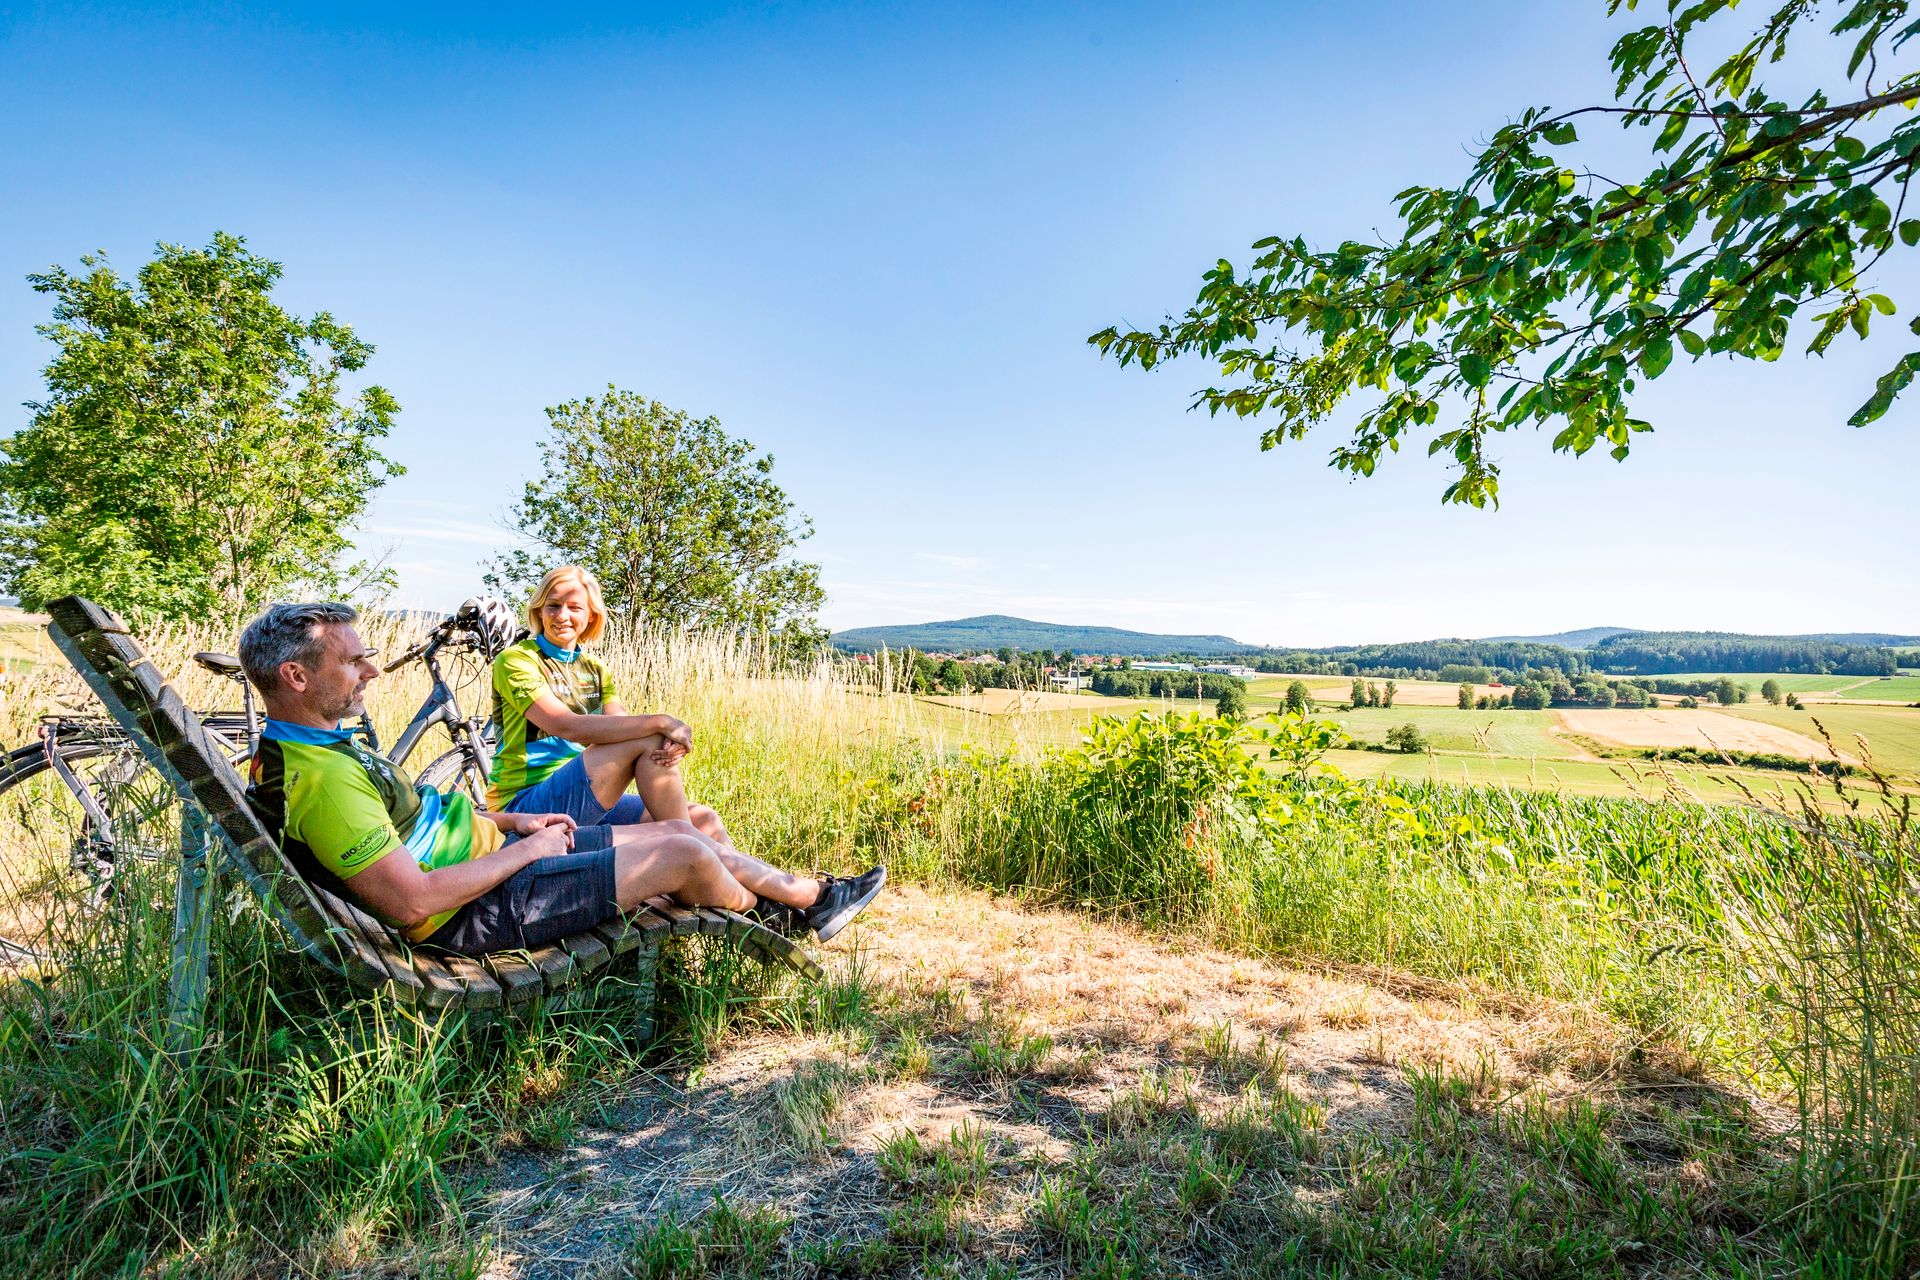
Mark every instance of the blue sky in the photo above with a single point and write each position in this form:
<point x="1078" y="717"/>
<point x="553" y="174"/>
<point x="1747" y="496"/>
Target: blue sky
<point x="872" y="239"/>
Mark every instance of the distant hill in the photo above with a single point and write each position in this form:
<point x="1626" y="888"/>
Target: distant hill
<point x="1585" y="638"/>
<point x="995" y="630"/>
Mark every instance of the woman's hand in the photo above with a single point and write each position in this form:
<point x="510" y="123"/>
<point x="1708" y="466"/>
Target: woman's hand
<point x="679" y="736"/>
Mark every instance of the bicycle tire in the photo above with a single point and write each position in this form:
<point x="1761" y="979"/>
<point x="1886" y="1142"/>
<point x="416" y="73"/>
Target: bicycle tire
<point x="451" y="768"/>
<point x="136" y="800"/>
<point x="142" y="815"/>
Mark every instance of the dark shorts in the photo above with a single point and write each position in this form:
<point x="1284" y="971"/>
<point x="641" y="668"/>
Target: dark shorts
<point x="568" y="790"/>
<point x="545" y="900"/>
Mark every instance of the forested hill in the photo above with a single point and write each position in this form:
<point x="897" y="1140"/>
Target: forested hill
<point x="1581" y="639"/>
<point x="998" y="631"/>
<point x="1665" y="652"/>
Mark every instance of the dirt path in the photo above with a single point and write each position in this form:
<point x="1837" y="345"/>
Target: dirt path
<point x="1021" y="1036"/>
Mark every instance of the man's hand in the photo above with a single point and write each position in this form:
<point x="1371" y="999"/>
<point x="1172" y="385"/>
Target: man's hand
<point x="547" y="841"/>
<point x="527" y="823"/>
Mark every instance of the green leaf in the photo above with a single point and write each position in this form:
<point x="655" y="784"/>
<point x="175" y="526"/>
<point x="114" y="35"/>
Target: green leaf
<point x="1656" y="356"/>
<point x="1693" y="342"/>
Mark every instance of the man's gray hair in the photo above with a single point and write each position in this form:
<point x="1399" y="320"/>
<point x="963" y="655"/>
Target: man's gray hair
<point x="288" y="633"/>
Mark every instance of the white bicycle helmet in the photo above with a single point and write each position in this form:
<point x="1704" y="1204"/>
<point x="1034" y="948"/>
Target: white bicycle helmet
<point x="493" y="621"/>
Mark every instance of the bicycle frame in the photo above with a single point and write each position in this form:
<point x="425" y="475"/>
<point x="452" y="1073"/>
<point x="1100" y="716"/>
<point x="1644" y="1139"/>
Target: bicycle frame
<point x="440" y="708"/>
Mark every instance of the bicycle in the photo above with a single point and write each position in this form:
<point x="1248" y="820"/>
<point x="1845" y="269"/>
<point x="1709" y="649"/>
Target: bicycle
<point x="127" y="810"/>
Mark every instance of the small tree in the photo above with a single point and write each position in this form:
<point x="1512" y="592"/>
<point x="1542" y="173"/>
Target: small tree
<point x="1770" y="690"/>
<point x="1386" y="698"/>
<point x="1299" y="702"/>
<point x="1794" y="703"/>
<point x="1359" y="697"/>
<point x="195" y="455"/>
<point x="1406" y="738"/>
<point x="1466" y="695"/>
<point x="1726" y="692"/>
<point x="680" y="521"/>
<point x="1232" y="703"/>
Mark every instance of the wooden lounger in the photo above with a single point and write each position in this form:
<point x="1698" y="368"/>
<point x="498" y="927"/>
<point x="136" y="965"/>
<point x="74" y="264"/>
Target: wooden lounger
<point x="332" y="931"/>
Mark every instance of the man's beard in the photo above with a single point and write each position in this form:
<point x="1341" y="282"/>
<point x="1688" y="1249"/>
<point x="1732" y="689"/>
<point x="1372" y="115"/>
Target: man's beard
<point x="348" y="705"/>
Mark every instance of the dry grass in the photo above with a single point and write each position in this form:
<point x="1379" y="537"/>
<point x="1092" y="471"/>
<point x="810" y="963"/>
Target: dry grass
<point x="1142" y="1037"/>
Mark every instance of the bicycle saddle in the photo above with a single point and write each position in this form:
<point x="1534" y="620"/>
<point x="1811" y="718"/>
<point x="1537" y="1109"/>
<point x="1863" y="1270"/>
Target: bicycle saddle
<point x="221" y="664"/>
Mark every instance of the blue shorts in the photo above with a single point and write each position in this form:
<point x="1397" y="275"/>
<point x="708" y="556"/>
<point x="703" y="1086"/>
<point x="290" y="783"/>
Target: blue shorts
<point x="552" y="898"/>
<point x="567" y="790"/>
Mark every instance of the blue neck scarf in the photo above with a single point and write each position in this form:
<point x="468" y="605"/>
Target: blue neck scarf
<point x="282" y="731"/>
<point x="554" y="651"/>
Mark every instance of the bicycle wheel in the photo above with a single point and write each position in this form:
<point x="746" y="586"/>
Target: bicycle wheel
<point x="92" y="803"/>
<point x="128" y="809"/>
<point x="456" y="769"/>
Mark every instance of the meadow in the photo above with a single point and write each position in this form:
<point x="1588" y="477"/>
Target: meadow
<point x="1768" y="960"/>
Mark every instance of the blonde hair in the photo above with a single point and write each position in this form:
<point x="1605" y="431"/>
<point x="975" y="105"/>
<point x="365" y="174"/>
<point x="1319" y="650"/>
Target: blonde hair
<point x="596" y="603"/>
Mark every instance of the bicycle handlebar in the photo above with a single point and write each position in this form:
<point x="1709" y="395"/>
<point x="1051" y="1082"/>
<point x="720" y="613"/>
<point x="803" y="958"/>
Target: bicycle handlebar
<point x="440" y="635"/>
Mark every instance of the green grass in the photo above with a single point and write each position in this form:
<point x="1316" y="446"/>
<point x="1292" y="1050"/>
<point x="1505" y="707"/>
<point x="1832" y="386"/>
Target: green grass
<point x="1521" y="734"/>
<point x="1897" y="688"/>
<point x="1782" y="951"/>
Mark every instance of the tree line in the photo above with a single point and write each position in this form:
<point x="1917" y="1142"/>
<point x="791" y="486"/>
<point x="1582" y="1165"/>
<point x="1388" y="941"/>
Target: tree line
<point x="1674" y="652"/>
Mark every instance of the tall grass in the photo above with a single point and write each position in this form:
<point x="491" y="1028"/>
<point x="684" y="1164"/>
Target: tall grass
<point x="1781" y="952"/>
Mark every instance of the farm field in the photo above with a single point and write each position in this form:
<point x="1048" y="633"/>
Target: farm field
<point x="1713" y="785"/>
<point x="1892" y="733"/>
<point x="1522" y="734"/>
<point x="23" y="642"/>
<point x="1266" y="692"/>
<point x="1704" y="729"/>
<point x="1903" y="688"/>
<point x="1789" y="682"/>
<point x="1521" y="749"/>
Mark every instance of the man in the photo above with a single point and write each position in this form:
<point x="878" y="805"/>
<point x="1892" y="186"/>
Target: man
<point x="460" y="878"/>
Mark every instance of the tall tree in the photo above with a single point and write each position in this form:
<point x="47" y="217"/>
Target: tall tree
<point x="681" y="522"/>
<point x="1539" y="290"/>
<point x="195" y="453"/>
<point x="1466" y="696"/>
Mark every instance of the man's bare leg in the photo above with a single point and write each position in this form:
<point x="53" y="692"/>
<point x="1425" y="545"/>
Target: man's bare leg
<point x="760" y="878"/>
<point x="659" y="859"/>
<point x="763" y="878"/>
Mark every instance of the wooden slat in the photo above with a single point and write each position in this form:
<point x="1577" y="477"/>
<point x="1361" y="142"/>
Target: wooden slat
<point x="713" y="921"/>
<point x="483" y="989"/>
<point x="555" y="966"/>
<point x="519" y="981"/>
<point x="367" y="940"/>
<point x="682" y="920"/>
<point x="620" y="934"/>
<point x="656" y="927"/>
<point x="768" y="946"/>
<point x="589" y="952"/>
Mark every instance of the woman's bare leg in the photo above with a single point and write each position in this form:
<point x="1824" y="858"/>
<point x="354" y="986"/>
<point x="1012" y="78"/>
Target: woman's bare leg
<point x="613" y="766"/>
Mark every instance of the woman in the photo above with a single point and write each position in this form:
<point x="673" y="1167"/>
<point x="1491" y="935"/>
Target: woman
<point x="568" y="746"/>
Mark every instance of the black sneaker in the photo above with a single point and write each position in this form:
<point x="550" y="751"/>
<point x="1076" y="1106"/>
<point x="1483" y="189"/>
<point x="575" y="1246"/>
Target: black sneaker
<point x="841" y="900"/>
<point x="777" y="916"/>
